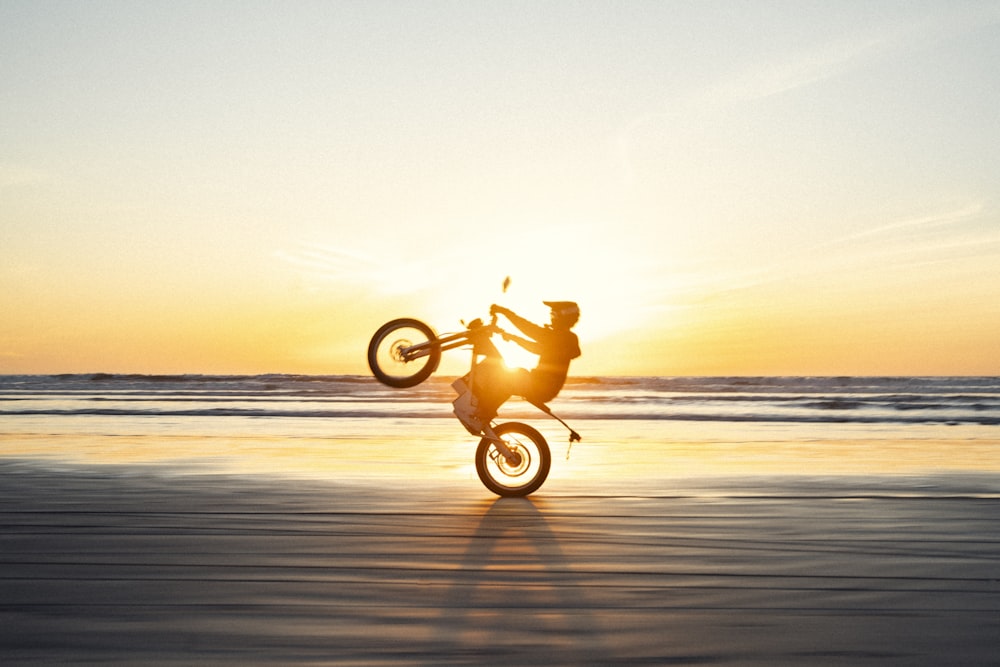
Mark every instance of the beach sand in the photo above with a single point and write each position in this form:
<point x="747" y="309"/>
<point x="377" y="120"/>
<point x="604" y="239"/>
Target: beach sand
<point x="127" y="564"/>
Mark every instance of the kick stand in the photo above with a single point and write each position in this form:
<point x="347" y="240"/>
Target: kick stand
<point x="573" y="435"/>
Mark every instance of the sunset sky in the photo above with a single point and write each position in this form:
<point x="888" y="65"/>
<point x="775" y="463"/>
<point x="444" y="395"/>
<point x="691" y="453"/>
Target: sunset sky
<point x="724" y="187"/>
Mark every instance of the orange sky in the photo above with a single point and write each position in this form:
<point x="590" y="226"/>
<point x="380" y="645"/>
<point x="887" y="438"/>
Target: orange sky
<point x="725" y="189"/>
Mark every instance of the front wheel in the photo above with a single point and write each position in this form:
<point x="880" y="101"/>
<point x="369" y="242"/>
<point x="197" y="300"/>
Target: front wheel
<point x="403" y="353"/>
<point x="520" y="475"/>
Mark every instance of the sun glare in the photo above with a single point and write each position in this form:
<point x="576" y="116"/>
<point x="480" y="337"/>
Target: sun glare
<point x="515" y="356"/>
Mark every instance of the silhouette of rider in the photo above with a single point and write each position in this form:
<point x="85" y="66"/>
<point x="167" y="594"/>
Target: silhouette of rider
<point x="556" y="346"/>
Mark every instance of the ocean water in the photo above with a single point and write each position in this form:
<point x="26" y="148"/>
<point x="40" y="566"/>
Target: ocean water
<point x="867" y="400"/>
<point x="352" y="426"/>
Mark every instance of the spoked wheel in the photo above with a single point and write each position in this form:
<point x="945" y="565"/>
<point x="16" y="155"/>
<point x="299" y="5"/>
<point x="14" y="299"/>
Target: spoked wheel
<point x="520" y="475"/>
<point x="403" y="353"/>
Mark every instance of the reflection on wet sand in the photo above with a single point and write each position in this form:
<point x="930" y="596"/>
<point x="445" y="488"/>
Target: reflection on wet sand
<point x="112" y="564"/>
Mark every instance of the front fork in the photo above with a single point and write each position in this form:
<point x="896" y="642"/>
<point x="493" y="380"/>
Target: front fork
<point x="498" y="442"/>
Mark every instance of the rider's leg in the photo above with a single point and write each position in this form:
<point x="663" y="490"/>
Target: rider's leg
<point x="494" y="382"/>
<point x="490" y="388"/>
<point x="499" y="385"/>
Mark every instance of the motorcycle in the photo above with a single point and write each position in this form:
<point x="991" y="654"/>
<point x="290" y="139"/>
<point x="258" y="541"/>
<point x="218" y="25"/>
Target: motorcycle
<point x="512" y="459"/>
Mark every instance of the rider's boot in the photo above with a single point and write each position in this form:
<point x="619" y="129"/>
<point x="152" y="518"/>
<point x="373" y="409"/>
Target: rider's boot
<point x="466" y="406"/>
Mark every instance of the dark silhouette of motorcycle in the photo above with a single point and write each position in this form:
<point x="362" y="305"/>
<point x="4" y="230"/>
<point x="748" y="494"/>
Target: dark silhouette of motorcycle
<point x="512" y="459"/>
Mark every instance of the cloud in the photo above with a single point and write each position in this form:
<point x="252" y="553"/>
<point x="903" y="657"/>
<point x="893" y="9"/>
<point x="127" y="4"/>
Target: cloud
<point x="684" y="122"/>
<point x="917" y="224"/>
<point x="841" y="54"/>
<point x="322" y="267"/>
<point x="801" y="69"/>
<point x="951" y="235"/>
<point x="851" y="52"/>
<point x="954" y="236"/>
<point x="325" y="264"/>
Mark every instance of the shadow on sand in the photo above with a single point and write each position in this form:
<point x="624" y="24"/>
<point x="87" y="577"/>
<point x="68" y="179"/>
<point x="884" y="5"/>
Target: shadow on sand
<point x="516" y="597"/>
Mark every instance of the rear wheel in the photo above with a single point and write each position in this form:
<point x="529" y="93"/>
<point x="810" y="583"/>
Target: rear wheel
<point x="403" y="353"/>
<point x="525" y="471"/>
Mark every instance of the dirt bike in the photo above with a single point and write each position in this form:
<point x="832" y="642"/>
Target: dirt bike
<point x="512" y="459"/>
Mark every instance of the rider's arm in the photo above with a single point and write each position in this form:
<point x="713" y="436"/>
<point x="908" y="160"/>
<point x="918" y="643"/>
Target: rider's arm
<point x="532" y="346"/>
<point x="527" y="327"/>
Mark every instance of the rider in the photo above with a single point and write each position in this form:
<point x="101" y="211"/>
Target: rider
<point x="555" y="346"/>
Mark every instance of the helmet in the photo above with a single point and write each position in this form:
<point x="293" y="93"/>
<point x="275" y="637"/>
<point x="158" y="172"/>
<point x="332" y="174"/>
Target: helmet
<point x="563" y="307"/>
<point x="567" y="309"/>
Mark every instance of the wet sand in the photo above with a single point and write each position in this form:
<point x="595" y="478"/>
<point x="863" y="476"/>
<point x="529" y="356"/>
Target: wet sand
<point x="128" y="565"/>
